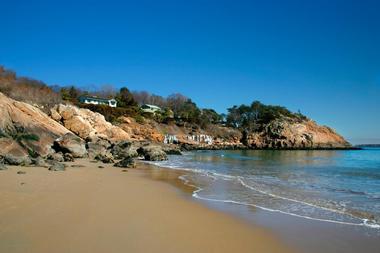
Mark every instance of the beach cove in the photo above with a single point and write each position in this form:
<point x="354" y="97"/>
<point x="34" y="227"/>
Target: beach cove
<point x="91" y="209"/>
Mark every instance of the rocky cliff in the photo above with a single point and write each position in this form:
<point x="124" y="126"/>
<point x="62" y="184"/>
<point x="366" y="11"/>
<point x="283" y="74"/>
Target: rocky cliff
<point x="25" y="129"/>
<point x="286" y="133"/>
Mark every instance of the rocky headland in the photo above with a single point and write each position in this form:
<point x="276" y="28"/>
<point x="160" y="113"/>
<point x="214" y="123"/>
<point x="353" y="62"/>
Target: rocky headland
<point x="29" y="136"/>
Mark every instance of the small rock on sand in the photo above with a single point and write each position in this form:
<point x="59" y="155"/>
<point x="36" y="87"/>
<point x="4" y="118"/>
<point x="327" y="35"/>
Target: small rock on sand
<point x="77" y="166"/>
<point x="20" y="172"/>
<point x="58" y="167"/>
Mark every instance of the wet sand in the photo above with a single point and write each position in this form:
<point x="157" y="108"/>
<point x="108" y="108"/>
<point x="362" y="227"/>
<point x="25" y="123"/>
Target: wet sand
<point x="89" y="209"/>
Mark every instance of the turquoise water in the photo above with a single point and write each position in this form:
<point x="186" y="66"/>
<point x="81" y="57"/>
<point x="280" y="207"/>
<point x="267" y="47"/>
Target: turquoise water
<point x="329" y="186"/>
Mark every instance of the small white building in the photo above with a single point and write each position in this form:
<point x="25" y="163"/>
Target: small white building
<point x="98" y="101"/>
<point x="150" y="108"/>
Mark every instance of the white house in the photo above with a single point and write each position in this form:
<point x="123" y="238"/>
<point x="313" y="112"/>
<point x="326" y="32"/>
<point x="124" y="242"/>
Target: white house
<point x="98" y="101"/>
<point x="150" y="108"/>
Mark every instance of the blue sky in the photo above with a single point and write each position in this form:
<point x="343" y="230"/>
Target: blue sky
<point x="322" y="57"/>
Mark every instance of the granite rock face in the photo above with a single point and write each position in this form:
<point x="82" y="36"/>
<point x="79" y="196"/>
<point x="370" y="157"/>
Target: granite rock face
<point x="29" y="126"/>
<point x="87" y="124"/>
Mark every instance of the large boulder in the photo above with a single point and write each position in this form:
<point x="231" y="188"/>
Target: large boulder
<point x="29" y="125"/>
<point x="70" y="143"/>
<point x="106" y="158"/>
<point x="124" y="149"/>
<point x="40" y="162"/>
<point x="97" y="147"/>
<point x="152" y="153"/>
<point x="126" y="163"/>
<point x="56" y="157"/>
<point x="87" y="124"/>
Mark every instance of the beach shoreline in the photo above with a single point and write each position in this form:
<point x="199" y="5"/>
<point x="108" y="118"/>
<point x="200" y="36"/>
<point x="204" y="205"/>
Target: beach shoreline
<point x="91" y="209"/>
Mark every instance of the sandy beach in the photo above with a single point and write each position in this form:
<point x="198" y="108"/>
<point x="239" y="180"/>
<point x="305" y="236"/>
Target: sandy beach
<point x="89" y="209"/>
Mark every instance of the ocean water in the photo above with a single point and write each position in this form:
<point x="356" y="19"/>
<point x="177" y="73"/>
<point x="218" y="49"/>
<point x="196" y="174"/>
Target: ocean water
<point x="340" y="187"/>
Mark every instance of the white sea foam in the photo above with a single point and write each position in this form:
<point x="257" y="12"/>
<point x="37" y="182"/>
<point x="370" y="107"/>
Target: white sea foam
<point x="216" y="176"/>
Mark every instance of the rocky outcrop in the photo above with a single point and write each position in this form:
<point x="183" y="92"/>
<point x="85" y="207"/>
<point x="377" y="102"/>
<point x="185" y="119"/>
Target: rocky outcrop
<point x="32" y="129"/>
<point x="69" y="143"/>
<point x="124" y="149"/>
<point x="152" y="153"/>
<point x="126" y="163"/>
<point x="106" y="158"/>
<point x="87" y="124"/>
<point x="290" y="134"/>
<point x="97" y="147"/>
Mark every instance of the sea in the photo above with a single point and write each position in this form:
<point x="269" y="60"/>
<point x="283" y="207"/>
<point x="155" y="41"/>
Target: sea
<point x="327" y="186"/>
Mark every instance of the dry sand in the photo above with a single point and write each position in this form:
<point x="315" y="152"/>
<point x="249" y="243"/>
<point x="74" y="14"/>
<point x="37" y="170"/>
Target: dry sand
<point x="89" y="209"/>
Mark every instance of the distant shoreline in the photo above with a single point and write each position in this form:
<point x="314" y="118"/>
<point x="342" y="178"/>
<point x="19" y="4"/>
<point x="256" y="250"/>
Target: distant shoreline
<point x="368" y="145"/>
<point x="273" y="149"/>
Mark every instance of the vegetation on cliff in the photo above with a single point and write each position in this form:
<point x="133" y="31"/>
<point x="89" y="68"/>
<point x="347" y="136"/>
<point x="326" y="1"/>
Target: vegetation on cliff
<point x="256" y="115"/>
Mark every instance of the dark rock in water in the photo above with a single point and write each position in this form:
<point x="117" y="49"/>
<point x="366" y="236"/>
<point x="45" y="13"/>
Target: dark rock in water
<point x="124" y="149"/>
<point x="153" y="153"/>
<point x="187" y="147"/>
<point x="107" y="158"/>
<point x="69" y="143"/>
<point x="124" y="171"/>
<point x="57" y="157"/>
<point x="172" y="150"/>
<point x="40" y="162"/>
<point x="20" y="172"/>
<point x="126" y="163"/>
<point x="58" y="167"/>
<point x="68" y="157"/>
<point x="3" y="167"/>
<point x="101" y="167"/>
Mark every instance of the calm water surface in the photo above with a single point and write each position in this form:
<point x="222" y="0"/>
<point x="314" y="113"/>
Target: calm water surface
<point x="341" y="187"/>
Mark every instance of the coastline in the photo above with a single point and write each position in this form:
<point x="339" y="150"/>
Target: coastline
<point x="306" y="234"/>
<point x="88" y="209"/>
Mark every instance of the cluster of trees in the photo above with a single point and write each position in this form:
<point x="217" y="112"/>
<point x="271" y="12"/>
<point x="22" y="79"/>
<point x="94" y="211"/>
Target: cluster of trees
<point x="253" y="117"/>
<point x="27" y="90"/>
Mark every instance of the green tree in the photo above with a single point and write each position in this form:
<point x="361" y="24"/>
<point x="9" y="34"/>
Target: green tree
<point x="125" y="98"/>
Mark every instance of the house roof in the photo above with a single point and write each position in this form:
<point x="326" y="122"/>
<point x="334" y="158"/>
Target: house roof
<point x="152" y="106"/>
<point x="96" y="98"/>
